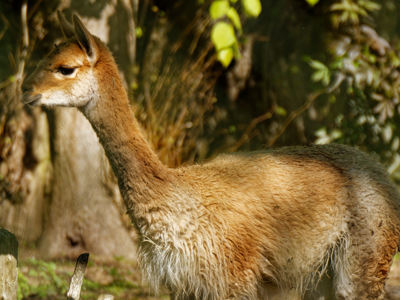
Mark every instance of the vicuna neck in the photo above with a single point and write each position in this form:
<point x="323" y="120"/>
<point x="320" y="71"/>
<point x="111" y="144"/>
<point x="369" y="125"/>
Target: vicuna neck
<point x="137" y="167"/>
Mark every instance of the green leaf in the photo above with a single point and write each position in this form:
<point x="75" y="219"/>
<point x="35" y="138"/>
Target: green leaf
<point x="223" y="35"/>
<point x="312" y="2"/>
<point x="369" y="5"/>
<point x="236" y="51"/>
<point x="225" y="56"/>
<point x="337" y="64"/>
<point x="394" y="59"/>
<point x="318" y="75"/>
<point x="219" y="9"/>
<point x="134" y="85"/>
<point x="279" y="110"/>
<point x="139" y="32"/>
<point x="321" y="75"/>
<point x="339" y="6"/>
<point x="252" y="7"/>
<point x="315" y="64"/>
<point x="234" y="17"/>
<point x="336" y="134"/>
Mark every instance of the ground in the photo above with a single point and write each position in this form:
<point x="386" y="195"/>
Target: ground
<point x="49" y="280"/>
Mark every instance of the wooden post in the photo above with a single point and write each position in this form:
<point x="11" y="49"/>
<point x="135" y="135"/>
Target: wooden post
<point x="8" y="265"/>
<point x="74" y="291"/>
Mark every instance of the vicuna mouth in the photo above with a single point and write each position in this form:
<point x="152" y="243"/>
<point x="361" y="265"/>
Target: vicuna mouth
<point x="30" y="99"/>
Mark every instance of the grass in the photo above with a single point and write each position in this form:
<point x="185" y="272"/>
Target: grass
<point x="39" y="279"/>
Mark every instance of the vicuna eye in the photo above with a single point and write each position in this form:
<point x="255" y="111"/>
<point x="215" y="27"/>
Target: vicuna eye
<point x="65" y="71"/>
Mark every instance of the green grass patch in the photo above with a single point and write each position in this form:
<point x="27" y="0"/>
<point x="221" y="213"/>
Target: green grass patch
<point x="50" y="280"/>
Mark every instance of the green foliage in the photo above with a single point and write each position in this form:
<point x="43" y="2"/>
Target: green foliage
<point x="233" y="15"/>
<point x="312" y="2"/>
<point x="227" y="19"/>
<point x="362" y="70"/>
<point x="321" y="73"/>
<point x="219" y="9"/>
<point x="224" y="40"/>
<point x="252" y="7"/>
<point x="325" y="137"/>
<point x="280" y="111"/>
<point x="223" y="36"/>
<point x="48" y="280"/>
<point x="225" y="56"/>
<point x="139" y="32"/>
<point x="350" y="11"/>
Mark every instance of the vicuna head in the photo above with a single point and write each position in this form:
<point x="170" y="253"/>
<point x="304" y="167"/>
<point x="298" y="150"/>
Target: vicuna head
<point x="68" y="75"/>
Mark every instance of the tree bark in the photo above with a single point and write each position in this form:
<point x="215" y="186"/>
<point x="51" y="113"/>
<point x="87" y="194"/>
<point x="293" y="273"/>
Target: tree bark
<point x="25" y="171"/>
<point x="83" y="215"/>
<point x="85" y="204"/>
<point x="57" y="190"/>
<point x="70" y="201"/>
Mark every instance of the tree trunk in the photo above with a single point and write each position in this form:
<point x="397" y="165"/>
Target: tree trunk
<point x="56" y="187"/>
<point x="25" y="172"/>
<point x="75" y="205"/>
<point x="83" y="214"/>
<point x="85" y="205"/>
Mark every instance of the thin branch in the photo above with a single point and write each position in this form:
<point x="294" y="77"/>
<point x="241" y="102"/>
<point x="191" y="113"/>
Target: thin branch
<point x="34" y="8"/>
<point x="6" y="26"/>
<point x="294" y="114"/>
<point x="131" y="35"/>
<point x="25" y="43"/>
<point x="12" y="85"/>
<point x="246" y="135"/>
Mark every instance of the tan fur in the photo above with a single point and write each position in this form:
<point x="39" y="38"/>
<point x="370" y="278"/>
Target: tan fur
<point x="267" y="225"/>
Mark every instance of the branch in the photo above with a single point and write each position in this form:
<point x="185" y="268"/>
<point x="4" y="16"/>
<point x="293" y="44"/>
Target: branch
<point x="246" y="135"/>
<point x="294" y="114"/>
<point x="25" y="43"/>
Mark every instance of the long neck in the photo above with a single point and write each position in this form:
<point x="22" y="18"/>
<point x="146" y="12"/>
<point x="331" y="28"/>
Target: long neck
<point x="140" y="173"/>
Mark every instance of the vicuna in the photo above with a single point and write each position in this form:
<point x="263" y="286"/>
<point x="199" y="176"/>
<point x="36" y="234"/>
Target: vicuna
<point x="319" y="222"/>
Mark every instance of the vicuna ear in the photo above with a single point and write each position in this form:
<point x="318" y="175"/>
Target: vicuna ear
<point x="66" y="27"/>
<point x="85" y="39"/>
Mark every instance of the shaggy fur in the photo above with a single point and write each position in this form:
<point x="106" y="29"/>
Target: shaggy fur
<point x="291" y="223"/>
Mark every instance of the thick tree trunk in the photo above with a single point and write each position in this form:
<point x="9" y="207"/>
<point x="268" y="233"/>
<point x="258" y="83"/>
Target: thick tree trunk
<point x="56" y="187"/>
<point x="83" y="214"/>
<point x="25" y="173"/>
<point x="85" y="207"/>
<point x="73" y="202"/>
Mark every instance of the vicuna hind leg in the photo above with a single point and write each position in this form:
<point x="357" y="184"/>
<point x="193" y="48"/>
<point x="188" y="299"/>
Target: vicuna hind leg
<point x="363" y="266"/>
